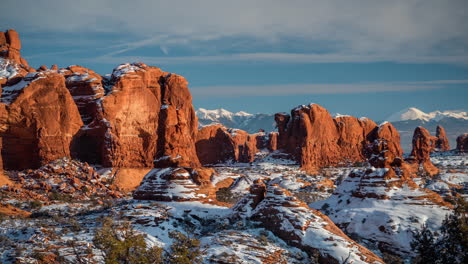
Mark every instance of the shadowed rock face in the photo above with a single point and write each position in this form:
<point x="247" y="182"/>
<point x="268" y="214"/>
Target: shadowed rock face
<point x="442" y="142"/>
<point x="383" y="149"/>
<point x="316" y="139"/>
<point x="39" y="120"/>
<point x="293" y="221"/>
<point x="462" y="143"/>
<point x="423" y="145"/>
<point x="216" y="144"/>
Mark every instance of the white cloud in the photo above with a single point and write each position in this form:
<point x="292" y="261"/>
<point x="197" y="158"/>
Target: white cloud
<point x="416" y="29"/>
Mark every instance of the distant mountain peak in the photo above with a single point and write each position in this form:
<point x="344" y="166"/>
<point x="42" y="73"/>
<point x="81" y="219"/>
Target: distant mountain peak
<point x="413" y="113"/>
<point x="242" y="120"/>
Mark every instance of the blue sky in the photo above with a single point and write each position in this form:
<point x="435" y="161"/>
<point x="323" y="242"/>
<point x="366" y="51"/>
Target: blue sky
<point x="363" y="57"/>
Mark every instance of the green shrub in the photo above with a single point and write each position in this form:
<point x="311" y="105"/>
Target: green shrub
<point x="121" y="245"/>
<point x="184" y="250"/>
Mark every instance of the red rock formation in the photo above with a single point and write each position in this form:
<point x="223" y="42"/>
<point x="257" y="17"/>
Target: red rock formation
<point x="423" y="145"/>
<point x="282" y="120"/>
<point x="442" y="142"/>
<point x="10" y="46"/>
<point x="77" y="179"/>
<point x="462" y="143"/>
<point x="353" y="136"/>
<point x="273" y="141"/>
<point x="177" y="184"/>
<point x="245" y="145"/>
<point x="145" y="118"/>
<point x="316" y="140"/>
<point x="86" y="88"/>
<point x="216" y="144"/>
<point x="300" y="226"/>
<point x="384" y="149"/>
<point x="38" y="122"/>
<point x="178" y="125"/>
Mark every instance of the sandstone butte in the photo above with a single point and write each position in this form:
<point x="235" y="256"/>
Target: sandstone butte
<point x="217" y="144"/>
<point x="423" y="145"/>
<point x="315" y="139"/>
<point x="442" y="142"/>
<point x="139" y="117"/>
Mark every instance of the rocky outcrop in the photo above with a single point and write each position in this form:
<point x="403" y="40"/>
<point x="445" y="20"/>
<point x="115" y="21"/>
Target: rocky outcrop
<point x="216" y="144"/>
<point x="10" y="46"/>
<point x="316" y="139"/>
<point x="273" y="141"/>
<point x="86" y="88"/>
<point x="442" y="142"/>
<point x="462" y="143"/>
<point x="177" y="184"/>
<point x="383" y="149"/>
<point x="39" y="121"/>
<point x="353" y="133"/>
<point x="300" y="226"/>
<point x="178" y="125"/>
<point x="60" y="178"/>
<point x="139" y="117"/>
<point x="12" y="65"/>
<point x="423" y="145"/>
<point x="382" y="203"/>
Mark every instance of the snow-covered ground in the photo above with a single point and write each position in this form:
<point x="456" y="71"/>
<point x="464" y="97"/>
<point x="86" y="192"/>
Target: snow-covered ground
<point x="375" y="223"/>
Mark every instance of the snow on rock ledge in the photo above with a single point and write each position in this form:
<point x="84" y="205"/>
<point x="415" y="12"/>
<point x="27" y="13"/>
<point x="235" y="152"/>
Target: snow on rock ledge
<point x="384" y="206"/>
<point x="177" y="184"/>
<point x="293" y="221"/>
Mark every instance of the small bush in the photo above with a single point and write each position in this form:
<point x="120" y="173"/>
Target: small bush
<point x="120" y="244"/>
<point x="184" y="250"/>
<point x="226" y="196"/>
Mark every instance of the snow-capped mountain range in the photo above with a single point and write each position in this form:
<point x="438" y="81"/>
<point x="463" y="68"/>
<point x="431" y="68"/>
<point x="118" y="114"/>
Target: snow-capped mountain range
<point x="455" y="122"/>
<point x="242" y="120"/>
<point x="413" y="113"/>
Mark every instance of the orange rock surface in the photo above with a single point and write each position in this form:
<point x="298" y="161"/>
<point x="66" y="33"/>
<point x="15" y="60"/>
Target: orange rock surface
<point x="39" y="121"/>
<point x="442" y="142"/>
<point x="462" y="143"/>
<point x="423" y="145"/>
<point x="316" y="139"/>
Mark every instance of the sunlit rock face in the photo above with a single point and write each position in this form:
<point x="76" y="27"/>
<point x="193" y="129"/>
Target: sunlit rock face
<point x="317" y="140"/>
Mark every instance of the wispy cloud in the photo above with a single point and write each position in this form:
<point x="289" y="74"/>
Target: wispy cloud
<point x="361" y="30"/>
<point x="314" y="88"/>
<point x="281" y="57"/>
